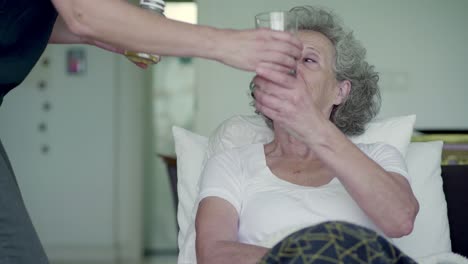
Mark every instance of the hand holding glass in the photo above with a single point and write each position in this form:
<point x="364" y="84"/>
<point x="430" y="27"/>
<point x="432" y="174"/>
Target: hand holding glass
<point x="278" y="20"/>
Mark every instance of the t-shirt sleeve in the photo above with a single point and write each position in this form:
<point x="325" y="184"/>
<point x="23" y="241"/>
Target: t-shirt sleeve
<point x="222" y="178"/>
<point x="387" y="156"/>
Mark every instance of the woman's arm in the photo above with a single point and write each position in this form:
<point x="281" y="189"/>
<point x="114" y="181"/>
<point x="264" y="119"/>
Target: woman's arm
<point x="216" y="241"/>
<point x="386" y="197"/>
<point x="123" y="25"/>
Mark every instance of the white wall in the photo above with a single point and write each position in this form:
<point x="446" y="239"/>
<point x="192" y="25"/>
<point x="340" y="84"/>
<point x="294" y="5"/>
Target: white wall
<point x="58" y="181"/>
<point x="421" y="42"/>
<point x="85" y="195"/>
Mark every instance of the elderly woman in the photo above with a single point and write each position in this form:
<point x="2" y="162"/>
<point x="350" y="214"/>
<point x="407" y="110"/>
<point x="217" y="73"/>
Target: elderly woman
<point x="311" y="172"/>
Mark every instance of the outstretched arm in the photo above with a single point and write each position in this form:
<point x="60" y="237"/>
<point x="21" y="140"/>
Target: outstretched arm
<point x="61" y="34"/>
<point x="125" y="26"/>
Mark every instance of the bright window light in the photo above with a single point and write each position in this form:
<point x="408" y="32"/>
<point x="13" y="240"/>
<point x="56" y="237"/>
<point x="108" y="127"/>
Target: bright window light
<point x="185" y="12"/>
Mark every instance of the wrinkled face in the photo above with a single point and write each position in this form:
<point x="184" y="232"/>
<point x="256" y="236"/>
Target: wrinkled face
<point x="316" y="68"/>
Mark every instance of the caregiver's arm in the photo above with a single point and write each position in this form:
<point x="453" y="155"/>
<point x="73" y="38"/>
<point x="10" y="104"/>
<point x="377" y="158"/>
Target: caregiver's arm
<point x="216" y="228"/>
<point x="61" y="34"/>
<point x="120" y="24"/>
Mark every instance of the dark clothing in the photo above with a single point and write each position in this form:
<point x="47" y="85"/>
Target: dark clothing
<point x="335" y="242"/>
<point x="25" y="28"/>
<point x="19" y="243"/>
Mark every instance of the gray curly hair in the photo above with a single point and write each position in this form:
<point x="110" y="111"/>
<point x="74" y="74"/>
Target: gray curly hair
<point x="363" y="101"/>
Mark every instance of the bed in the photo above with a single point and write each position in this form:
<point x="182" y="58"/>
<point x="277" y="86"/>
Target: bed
<point x="455" y="178"/>
<point x="440" y="189"/>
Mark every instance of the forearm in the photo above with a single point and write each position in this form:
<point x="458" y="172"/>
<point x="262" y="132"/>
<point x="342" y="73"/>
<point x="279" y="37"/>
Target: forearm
<point x="61" y="34"/>
<point x="387" y="199"/>
<point x="123" y="25"/>
<point x="228" y="252"/>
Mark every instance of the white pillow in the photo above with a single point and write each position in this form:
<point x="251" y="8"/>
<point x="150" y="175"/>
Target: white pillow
<point x="242" y="130"/>
<point x="395" y="131"/>
<point x="431" y="234"/>
<point x="190" y="149"/>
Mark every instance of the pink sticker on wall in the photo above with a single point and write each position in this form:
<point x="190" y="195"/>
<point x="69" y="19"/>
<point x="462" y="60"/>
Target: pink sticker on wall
<point x="76" y="61"/>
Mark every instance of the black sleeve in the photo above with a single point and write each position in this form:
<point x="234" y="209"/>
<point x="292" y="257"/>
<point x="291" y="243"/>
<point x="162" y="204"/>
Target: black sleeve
<point x="25" y="28"/>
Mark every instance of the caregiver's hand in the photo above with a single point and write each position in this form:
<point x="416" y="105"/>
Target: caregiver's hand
<point x="246" y="49"/>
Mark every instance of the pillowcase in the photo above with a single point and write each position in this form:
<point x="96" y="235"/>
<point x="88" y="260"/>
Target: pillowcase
<point x="395" y="131"/>
<point x="190" y="149"/>
<point x="431" y="233"/>
<point x="242" y="130"/>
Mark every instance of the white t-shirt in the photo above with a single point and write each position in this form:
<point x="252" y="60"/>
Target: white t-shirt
<point x="270" y="208"/>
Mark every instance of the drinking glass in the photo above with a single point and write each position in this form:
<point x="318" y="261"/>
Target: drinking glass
<point x="278" y="20"/>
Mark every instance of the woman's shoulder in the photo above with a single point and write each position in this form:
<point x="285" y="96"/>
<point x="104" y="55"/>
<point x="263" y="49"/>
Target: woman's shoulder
<point x="241" y="152"/>
<point x="230" y="166"/>
<point x="377" y="147"/>
<point x="385" y="154"/>
<point x="239" y="157"/>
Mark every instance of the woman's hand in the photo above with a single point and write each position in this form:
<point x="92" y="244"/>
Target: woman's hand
<point x="288" y="101"/>
<point x="247" y="49"/>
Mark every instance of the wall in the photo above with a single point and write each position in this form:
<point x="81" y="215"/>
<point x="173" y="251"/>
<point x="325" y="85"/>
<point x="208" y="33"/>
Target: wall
<point x="84" y="194"/>
<point x="58" y="190"/>
<point x="418" y="46"/>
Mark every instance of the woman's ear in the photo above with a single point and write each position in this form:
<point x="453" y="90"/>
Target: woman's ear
<point x="344" y="88"/>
